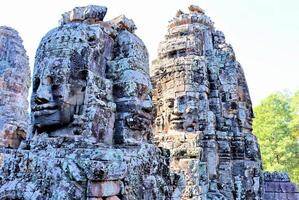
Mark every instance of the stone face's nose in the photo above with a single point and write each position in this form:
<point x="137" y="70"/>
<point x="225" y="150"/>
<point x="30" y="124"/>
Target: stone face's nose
<point x="147" y="105"/>
<point x="43" y="94"/>
<point x="178" y="108"/>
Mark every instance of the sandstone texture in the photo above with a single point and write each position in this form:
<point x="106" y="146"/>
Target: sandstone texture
<point x="278" y="186"/>
<point x="203" y="112"/>
<point x="91" y="117"/>
<point x="14" y="87"/>
<point x="103" y="129"/>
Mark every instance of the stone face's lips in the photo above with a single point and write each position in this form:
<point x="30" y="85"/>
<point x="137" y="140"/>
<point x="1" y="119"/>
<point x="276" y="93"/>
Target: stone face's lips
<point x="47" y="106"/>
<point x="44" y="112"/>
<point x="45" y="109"/>
<point x="177" y="119"/>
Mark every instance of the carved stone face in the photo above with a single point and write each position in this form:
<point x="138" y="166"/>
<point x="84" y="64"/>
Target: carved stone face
<point x="133" y="95"/>
<point x="58" y="92"/>
<point x="178" y="113"/>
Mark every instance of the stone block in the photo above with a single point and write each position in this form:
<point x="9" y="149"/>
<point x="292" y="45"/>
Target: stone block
<point x="103" y="188"/>
<point x="113" y="198"/>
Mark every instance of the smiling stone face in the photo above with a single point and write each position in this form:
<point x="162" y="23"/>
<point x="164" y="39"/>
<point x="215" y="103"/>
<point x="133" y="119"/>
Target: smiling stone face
<point x="58" y="93"/>
<point x="184" y="111"/>
<point x="132" y="87"/>
<point x="180" y="94"/>
<point x="71" y="95"/>
<point x="178" y="111"/>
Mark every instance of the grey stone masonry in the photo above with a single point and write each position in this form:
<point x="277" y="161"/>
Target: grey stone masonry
<point x="91" y="114"/>
<point x="203" y="112"/>
<point x="277" y="185"/>
<point x="14" y="88"/>
<point x="103" y="129"/>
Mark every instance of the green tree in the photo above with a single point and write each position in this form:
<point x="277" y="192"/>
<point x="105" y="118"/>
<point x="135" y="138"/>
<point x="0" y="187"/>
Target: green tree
<point x="276" y="126"/>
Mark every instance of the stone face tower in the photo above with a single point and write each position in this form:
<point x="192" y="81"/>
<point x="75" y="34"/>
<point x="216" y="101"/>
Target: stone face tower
<point x="91" y="117"/>
<point x="14" y="86"/>
<point x="204" y="112"/>
<point x="91" y="133"/>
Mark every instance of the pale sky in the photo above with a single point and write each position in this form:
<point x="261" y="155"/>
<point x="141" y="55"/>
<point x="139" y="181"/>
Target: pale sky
<point x="263" y="33"/>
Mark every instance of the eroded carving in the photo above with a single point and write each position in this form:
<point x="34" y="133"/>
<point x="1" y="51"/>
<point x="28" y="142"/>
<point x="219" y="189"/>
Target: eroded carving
<point x="14" y="87"/>
<point x="87" y="71"/>
<point x="71" y="95"/>
<point x="132" y="87"/>
<point x="203" y="111"/>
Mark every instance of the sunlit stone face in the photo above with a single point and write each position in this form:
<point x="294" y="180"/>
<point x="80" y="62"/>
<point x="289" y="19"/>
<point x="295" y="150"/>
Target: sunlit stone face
<point x="178" y="111"/>
<point x="58" y="92"/>
<point x="134" y="99"/>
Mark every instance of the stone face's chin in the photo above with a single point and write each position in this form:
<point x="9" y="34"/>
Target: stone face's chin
<point x="51" y="116"/>
<point x="46" y="118"/>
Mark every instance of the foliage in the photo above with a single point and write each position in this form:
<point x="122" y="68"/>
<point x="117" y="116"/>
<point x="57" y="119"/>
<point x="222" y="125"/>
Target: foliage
<point x="276" y="126"/>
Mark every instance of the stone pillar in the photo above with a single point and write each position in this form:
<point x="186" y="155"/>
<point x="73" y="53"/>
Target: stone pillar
<point x="14" y="86"/>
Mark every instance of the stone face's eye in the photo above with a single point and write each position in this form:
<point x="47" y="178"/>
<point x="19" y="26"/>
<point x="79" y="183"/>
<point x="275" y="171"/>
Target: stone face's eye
<point x="181" y="100"/>
<point x="91" y="39"/>
<point x="170" y="103"/>
<point x="36" y="84"/>
<point x="55" y="87"/>
<point x="160" y="103"/>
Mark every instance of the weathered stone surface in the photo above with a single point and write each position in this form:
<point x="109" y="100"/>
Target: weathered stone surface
<point x="129" y="70"/>
<point x="14" y="86"/>
<point x="63" y="170"/>
<point x="277" y="185"/>
<point x="200" y="93"/>
<point x="91" y="117"/>
<point x="113" y="198"/>
<point x="91" y="13"/>
<point x="103" y="189"/>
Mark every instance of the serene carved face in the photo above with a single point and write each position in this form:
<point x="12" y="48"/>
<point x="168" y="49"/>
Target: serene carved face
<point x="178" y="113"/>
<point x="133" y="96"/>
<point x="58" y="92"/>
